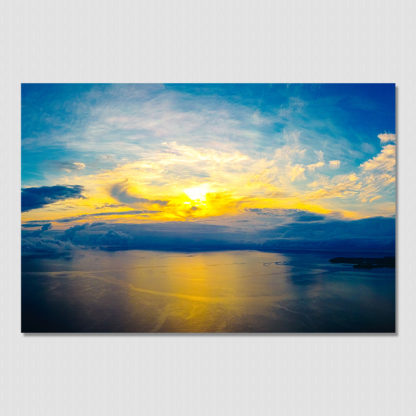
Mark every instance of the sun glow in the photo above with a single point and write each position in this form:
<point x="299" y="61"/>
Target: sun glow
<point x="197" y="193"/>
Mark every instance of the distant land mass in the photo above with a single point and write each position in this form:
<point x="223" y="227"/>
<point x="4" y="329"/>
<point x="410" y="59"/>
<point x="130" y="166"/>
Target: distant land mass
<point x="366" y="262"/>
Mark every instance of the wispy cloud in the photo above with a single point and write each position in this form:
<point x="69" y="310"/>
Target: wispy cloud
<point x="373" y="181"/>
<point x="334" y="164"/>
<point x="122" y="193"/>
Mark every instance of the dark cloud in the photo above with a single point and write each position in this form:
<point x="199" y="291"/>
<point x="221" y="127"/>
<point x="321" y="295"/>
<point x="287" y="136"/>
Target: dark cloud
<point x="70" y="232"/>
<point x="46" y="227"/>
<point x="309" y="216"/>
<point x="371" y="234"/>
<point x="292" y="214"/>
<point x="43" y="227"/>
<point x="120" y="192"/>
<point x="108" y="206"/>
<point x="46" y="243"/>
<point x="377" y="233"/>
<point x="107" y="214"/>
<point x="33" y="198"/>
<point x="63" y="165"/>
<point x="32" y="225"/>
<point x="169" y="236"/>
<point x="365" y="228"/>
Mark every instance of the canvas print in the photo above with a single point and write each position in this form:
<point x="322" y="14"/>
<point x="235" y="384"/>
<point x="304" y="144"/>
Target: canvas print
<point x="208" y="208"/>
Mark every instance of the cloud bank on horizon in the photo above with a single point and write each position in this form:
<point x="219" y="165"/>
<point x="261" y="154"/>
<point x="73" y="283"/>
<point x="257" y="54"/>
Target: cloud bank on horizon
<point x="247" y="158"/>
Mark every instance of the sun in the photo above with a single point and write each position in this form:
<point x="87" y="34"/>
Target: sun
<point x="197" y="193"/>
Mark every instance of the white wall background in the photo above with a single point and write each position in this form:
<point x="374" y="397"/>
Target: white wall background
<point x="205" y="41"/>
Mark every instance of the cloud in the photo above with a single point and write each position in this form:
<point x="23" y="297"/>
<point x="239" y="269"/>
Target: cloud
<point x="303" y="231"/>
<point x="66" y="166"/>
<point x="373" y="182"/>
<point x="121" y="192"/>
<point x="375" y="198"/>
<point x="314" y="166"/>
<point x="385" y="161"/>
<point x="339" y="186"/>
<point x="339" y="235"/>
<point x="79" y="165"/>
<point x="168" y="236"/>
<point x="297" y="173"/>
<point x="33" y="198"/>
<point x="289" y="177"/>
<point x="106" y="214"/>
<point x="46" y="227"/>
<point x="375" y="227"/>
<point x="309" y="217"/>
<point x="45" y="242"/>
<point x="290" y="215"/>
<point x="387" y="137"/>
<point x="257" y="149"/>
<point x="45" y="247"/>
<point x="33" y="225"/>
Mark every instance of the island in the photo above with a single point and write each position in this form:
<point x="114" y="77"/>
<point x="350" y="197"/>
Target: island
<point x="366" y="262"/>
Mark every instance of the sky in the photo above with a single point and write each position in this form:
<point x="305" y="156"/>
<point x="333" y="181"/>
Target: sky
<point x="225" y="163"/>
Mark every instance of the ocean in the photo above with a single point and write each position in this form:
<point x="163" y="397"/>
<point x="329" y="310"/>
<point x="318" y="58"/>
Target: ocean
<point x="227" y="291"/>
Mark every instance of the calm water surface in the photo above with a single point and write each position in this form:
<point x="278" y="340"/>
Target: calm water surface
<point x="229" y="291"/>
